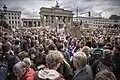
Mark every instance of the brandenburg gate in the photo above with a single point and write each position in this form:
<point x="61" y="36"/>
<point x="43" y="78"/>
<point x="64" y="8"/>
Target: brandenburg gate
<point x="54" y="16"/>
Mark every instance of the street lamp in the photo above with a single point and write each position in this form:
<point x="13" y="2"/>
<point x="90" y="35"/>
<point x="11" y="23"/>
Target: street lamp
<point x="3" y="14"/>
<point x="5" y="8"/>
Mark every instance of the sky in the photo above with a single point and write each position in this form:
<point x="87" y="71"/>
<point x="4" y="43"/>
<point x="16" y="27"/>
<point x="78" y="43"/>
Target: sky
<point x="97" y="7"/>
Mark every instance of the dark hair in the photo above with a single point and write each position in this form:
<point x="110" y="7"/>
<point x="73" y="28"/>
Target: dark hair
<point x="89" y="44"/>
<point x="6" y="47"/>
<point x="107" y="54"/>
<point x="108" y="39"/>
<point x="36" y="38"/>
<point x="28" y="36"/>
<point x="117" y="47"/>
<point x="32" y="51"/>
<point x="51" y="46"/>
<point x="41" y="48"/>
<point x="100" y="45"/>
<point x="40" y="59"/>
<point x="17" y="42"/>
<point x="59" y="46"/>
<point x="105" y="75"/>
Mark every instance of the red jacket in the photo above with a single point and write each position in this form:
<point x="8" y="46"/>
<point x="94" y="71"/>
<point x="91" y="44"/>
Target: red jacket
<point x="29" y="75"/>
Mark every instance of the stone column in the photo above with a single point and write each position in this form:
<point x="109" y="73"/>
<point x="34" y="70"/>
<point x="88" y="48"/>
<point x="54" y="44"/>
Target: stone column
<point x="67" y="20"/>
<point x="61" y="19"/>
<point x="53" y="21"/>
<point x="49" y="20"/>
<point x="58" y="19"/>
<point x="36" y="23"/>
<point x="71" y="19"/>
<point x="24" y="24"/>
<point x="32" y="23"/>
<point x="44" y="21"/>
<point x="27" y="24"/>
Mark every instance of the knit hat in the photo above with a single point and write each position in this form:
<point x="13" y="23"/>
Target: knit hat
<point x="23" y="54"/>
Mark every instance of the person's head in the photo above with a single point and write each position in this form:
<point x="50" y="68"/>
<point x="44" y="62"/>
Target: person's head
<point x="36" y="42"/>
<point x="60" y="46"/>
<point x="108" y="46"/>
<point x="51" y="46"/>
<point x="100" y="45"/>
<point x="65" y="43"/>
<point x="19" y="69"/>
<point x="81" y="44"/>
<point x="22" y="55"/>
<point x="107" y="54"/>
<point x="41" y="48"/>
<point x="1" y="47"/>
<point x="6" y="47"/>
<point x="116" y="48"/>
<point x="32" y="52"/>
<point x="89" y="44"/>
<point x="54" y="59"/>
<point x="33" y="38"/>
<point x="105" y="75"/>
<point x="17" y="41"/>
<point x="79" y="60"/>
<point x="27" y="61"/>
<point x="86" y="50"/>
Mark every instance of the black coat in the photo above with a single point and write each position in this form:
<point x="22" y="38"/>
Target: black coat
<point x="116" y="60"/>
<point x="105" y="62"/>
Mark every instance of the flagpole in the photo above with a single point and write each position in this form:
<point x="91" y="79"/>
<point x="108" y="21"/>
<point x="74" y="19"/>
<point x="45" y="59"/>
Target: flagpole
<point x="33" y="17"/>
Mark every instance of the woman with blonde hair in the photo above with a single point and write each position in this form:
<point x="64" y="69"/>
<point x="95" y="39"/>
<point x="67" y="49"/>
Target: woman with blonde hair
<point x="53" y="61"/>
<point x="23" y="72"/>
<point x="86" y="50"/>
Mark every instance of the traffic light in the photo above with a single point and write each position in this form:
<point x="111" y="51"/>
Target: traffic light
<point x="89" y="13"/>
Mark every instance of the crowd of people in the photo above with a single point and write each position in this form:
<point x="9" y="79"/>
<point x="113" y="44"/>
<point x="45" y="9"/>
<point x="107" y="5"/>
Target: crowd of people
<point x="43" y="55"/>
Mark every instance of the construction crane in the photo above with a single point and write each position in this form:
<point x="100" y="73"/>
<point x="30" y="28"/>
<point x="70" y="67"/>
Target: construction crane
<point x="89" y="13"/>
<point x="77" y="12"/>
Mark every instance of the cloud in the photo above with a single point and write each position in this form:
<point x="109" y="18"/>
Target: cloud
<point x="30" y="14"/>
<point x="105" y="6"/>
<point x="95" y="6"/>
<point x="17" y="8"/>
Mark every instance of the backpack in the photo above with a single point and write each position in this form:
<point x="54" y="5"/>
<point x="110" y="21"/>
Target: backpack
<point x="3" y="70"/>
<point x="102" y="66"/>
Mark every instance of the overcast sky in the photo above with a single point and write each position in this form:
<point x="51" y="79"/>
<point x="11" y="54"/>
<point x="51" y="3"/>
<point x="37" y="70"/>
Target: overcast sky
<point x="107" y="7"/>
